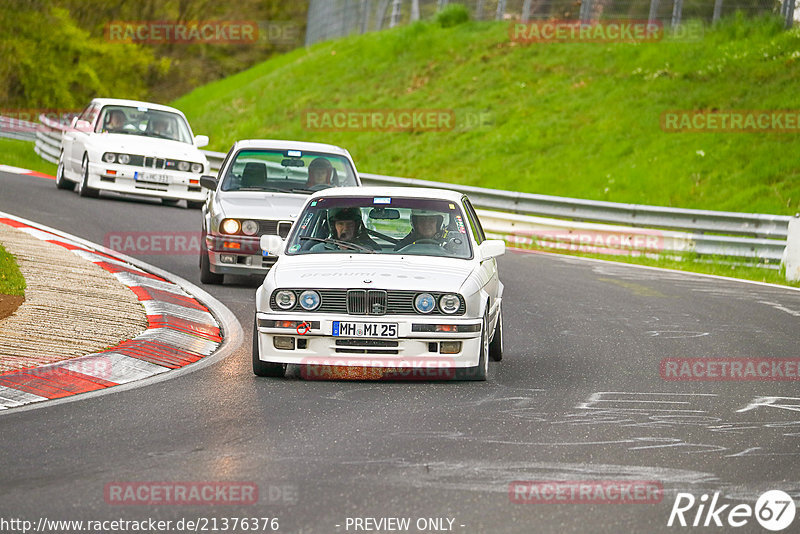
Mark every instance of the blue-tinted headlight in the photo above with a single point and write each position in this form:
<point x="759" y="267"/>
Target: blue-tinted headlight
<point x="425" y="303"/>
<point x="309" y="300"/>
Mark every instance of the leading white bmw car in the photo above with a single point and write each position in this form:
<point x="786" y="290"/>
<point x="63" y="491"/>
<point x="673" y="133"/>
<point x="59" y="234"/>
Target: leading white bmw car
<point x="133" y="147"/>
<point x="397" y="283"/>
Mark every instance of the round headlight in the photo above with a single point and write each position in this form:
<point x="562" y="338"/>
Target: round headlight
<point x="424" y="303"/>
<point x="230" y="226"/>
<point x="285" y="299"/>
<point x="197" y="168"/>
<point x="449" y="303"/>
<point x="124" y="159"/>
<point x="109" y="157"/>
<point x="249" y="227"/>
<point x="183" y="166"/>
<point x="309" y="300"/>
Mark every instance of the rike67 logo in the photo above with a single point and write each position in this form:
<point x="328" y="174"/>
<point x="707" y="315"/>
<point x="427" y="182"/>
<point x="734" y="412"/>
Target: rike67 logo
<point x="774" y="510"/>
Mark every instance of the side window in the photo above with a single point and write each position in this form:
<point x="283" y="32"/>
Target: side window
<point x="472" y="217"/>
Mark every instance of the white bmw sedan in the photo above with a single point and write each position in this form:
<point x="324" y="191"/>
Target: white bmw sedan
<point x="262" y="186"/>
<point x="391" y="283"/>
<point x="133" y="147"/>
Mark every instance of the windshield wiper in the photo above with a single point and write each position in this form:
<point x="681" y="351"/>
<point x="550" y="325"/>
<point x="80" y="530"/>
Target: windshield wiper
<point x="339" y="242"/>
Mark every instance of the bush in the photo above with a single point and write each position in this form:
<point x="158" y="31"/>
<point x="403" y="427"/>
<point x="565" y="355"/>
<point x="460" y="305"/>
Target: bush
<point x="452" y="15"/>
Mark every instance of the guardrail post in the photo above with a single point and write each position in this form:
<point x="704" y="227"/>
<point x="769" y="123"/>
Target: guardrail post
<point x="395" y="20"/>
<point x="586" y="11"/>
<point x="788" y="7"/>
<point x="653" y="11"/>
<point x="479" y="10"/>
<point x="414" y="10"/>
<point x="677" y="13"/>
<point x="791" y="256"/>
<point x="526" y="11"/>
<point x="717" y="11"/>
<point x="501" y="10"/>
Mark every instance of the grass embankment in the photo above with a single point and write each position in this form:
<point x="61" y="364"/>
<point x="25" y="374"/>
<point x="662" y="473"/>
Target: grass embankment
<point x="21" y="154"/>
<point x="572" y="119"/>
<point x="12" y="284"/>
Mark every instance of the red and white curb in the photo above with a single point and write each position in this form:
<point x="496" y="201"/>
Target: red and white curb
<point x="27" y="172"/>
<point x="181" y="331"/>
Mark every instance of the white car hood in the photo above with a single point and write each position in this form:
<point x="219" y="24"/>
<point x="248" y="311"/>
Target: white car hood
<point x="148" y="146"/>
<point x="339" y="271"/>
<point x="260" y="205"/>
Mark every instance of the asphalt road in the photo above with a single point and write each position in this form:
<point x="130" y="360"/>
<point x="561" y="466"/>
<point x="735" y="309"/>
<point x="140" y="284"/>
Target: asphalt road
<point x="578" y="396"/>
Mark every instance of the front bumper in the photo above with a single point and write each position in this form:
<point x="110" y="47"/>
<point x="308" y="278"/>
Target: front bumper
<point x="122" y="179"/>
<point x="315" y="344"/>
<point x="240" y="255"/>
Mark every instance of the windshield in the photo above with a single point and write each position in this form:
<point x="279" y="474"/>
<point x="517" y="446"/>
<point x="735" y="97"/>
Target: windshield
<point x="381" y="225"/>
<point x="144" y="122"/>
<point x="287" y="171"/>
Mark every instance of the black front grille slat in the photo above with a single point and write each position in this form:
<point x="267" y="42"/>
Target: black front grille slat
<point x="357" y="302"/>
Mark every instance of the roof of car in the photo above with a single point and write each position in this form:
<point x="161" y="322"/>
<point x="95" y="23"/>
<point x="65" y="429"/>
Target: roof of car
<point x="400" y="192"/>
<point x="134" y="103"/>
<point x="281" y="144"/>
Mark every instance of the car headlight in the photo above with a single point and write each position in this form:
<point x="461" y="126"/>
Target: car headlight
<point x="183" y="166"/>
<point x="249" y="227"/>
<point x="285" y="299"/>
<point x="124" y="159"/>
<point x="230" y="226"/>
<point x="449" y="303"/>
<point x="197" y="168"/>
<point x="424" y="303"/>
<point x="309" y="300"/>
<point x="109" y="157"/>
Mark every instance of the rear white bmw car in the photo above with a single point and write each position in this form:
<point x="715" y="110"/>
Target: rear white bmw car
<point x="140" y="148"/>
<point x="391" y="283"/>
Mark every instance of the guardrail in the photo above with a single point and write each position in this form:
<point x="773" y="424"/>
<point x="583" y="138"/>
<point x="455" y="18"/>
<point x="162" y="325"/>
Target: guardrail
<point x="634" y="228"/>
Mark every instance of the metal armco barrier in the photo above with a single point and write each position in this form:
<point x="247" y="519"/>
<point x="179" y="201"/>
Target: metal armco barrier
<point x="520" y="218"/>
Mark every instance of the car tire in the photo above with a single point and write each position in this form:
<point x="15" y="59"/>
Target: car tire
<point x="83" y="187"/>
<point x="170" y="201"/>
<point x="206" y="276"/>
<point x="61" y="182"/>
<point x="480" y="371"/>
<point x="496" y="346"/>
<point x="194" y="204"/>
<point x="261" y="368"/>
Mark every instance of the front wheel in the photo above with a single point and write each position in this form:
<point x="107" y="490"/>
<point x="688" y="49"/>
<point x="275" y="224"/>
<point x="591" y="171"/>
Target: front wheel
<point x="61" y="182"/>
<point x="480" y="371"/>
<point x="83" y="187"/>
<point x="261" y="368"/>
<point x="206" y="276"/>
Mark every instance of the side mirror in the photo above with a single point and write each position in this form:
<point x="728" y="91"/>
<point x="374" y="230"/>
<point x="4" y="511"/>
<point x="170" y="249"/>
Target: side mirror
<point x="200" y="141"/>
<point x="82" y="126"/>
<point x="271" y="244"/>
<point x="209" y="182"/>
<point x="492" y="248"/>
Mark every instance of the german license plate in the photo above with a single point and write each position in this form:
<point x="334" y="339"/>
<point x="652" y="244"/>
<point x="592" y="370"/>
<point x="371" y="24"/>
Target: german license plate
<point x="151" y="177"/>
<point x="351" y="329"/>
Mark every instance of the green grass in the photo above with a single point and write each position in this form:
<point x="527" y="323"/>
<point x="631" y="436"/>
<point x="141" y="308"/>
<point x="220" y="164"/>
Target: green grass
<point x="11" y="280"/>
<point x="572" y="119"/>
<point x="21" y="154"/>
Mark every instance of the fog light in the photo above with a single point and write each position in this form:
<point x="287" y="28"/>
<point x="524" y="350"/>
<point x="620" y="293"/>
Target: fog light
<point x="450" y="347"/>
<point x="227" y="258"/>
<point x="283" y="342"/>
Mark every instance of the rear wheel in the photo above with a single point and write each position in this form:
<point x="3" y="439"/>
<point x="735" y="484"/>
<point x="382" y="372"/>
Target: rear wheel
<point x="261" y="368"/>
<point x="61" y="182"/>
<point x="496" y="346"/>
<point x="83" y="187"/>
<point x="206" y="276"/>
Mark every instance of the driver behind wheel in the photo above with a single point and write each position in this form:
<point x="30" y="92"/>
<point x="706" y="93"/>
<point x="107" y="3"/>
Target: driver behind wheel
<point x="320" y="174"/>
<point x="426" y="226"/>
<point x="346" y="225"/>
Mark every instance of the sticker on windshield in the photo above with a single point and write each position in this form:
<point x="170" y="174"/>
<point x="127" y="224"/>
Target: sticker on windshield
<point x="460" y="224"/>
<point x="381" y="200"/>
<point x="294" y="248"/>
<point x="140" y="108"/>
<point x="452" y="206"/>
<point x="314" y="203"/>
<point x="294" y="153"/>
<point x="306" y="220"/>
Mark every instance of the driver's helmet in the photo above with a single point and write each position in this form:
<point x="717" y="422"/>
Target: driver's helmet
<point x="416" y="214"/>
<point x="321" y="164"/>
<point x="345" y="214"/>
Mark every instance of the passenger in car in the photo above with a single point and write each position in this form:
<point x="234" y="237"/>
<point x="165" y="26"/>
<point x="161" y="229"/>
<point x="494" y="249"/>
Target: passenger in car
<point x="427" y="226"/>
<point x="320" y="174"/>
